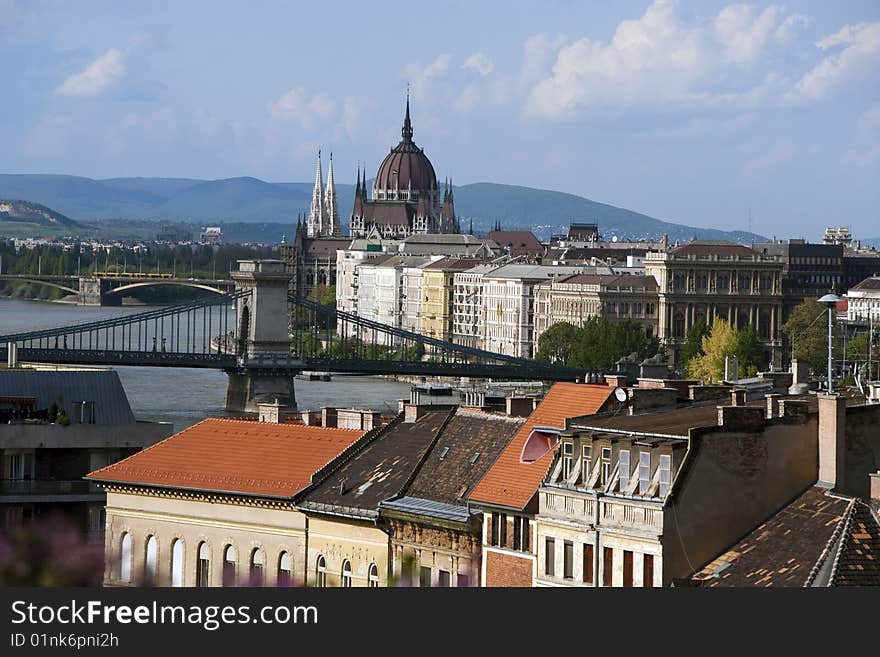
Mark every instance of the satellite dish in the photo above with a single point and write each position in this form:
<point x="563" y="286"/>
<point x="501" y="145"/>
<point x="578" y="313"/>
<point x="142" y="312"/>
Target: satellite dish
<point x="614" y="239"/>
<point x="620" y="394"/>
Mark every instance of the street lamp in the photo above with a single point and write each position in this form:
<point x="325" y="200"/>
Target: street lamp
<point x="830" y="300"/>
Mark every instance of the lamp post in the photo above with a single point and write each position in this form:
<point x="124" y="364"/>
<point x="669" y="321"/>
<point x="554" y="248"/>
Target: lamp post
<point x="830" y="300"/>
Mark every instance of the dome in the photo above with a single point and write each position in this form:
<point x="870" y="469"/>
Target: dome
<point x="406" y="166"/>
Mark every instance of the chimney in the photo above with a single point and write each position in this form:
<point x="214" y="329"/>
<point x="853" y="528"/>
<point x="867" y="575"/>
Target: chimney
<point x="875" y="487"/>
<point x="328" y="416"/>
<point x="741" y="417"/>
<point x="617" y="380"/>
<point x="772" y="405"/>
<point x="795" y="410"/>
<point x="737" y="397"/>
<point x="271" y="412"/>
<point x="832" y="440"/>
<point x="412" y="412"/>
<point x="800" y="372"/>
<point x="519" y="406"/>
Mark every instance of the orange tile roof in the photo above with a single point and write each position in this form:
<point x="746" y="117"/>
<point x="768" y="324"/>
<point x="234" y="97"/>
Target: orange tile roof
<point x="235" y="456"/>
<point x="512" y="483"/>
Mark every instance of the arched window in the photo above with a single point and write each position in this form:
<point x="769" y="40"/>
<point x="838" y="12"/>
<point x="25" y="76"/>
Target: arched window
<point x="177" y="562"/>
<point x="125" y="558"/>
<point x="321" y="572"/>
<point x="346" y="574"/>
<point x="229" y="559"/>
<point x="285" y="568"/>
<point x="258" y="560"/>
<point x="203" y="566"/>
<point x="374" y="576"/>
<point x="150" y="563"/>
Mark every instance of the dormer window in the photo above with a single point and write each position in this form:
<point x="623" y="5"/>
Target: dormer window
<point x="665" y="473"/>
<point x="537" y="445"/>
<point x="567" y="458"/>
<point x="606" y="465"/>
<point x="586" y="451"/>
<point x="644" y="471"/>
<point x="624" y="469"/>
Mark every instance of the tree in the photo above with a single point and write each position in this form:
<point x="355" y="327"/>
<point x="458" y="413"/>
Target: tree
<point x="807" y="329"/>
<point x="694" y="345"/>
<point x="748" y="350"/>
<point x="720" y="342"/>
<point x="554" y="345"/>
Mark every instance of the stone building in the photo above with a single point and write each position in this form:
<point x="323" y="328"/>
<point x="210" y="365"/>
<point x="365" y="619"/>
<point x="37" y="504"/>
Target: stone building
<point x="437" y="295"/>
<point x="576" y="298"/>
<point x="214" y="505"/>
<point x="863" y="301"/>
<point x="718" y="279"/>
<point x="435" y="537"/>
<point x="507" y="495"/>
<point x="468" y="305"/>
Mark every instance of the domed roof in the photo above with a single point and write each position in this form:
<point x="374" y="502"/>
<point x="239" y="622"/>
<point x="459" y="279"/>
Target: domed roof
<point x="406" y="165"/>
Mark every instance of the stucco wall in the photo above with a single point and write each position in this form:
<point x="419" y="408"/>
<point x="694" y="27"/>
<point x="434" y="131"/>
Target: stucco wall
<point x="361" y="543"/>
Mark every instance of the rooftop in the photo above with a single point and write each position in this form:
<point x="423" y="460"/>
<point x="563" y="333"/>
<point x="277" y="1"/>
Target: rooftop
<point x="233" y="456"/>
<point x="454" y="264"/>
<point x="511" y="482"/>
<point x="872" y="283"/>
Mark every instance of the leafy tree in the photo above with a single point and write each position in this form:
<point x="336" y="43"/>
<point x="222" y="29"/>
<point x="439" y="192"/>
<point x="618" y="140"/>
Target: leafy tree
<point x="807" y="329"/>
<point x="748" y="350"/>
<point x="720" y="342"/>
<point x="694" y="345"/>
<point x="600" y="343"/>
<point x="554" y="345"/>
<point x="324" y="294"/>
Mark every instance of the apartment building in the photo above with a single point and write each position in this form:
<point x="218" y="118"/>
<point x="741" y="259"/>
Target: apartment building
<point x="576" y="298"/>
<point x="468" y="306"/>
<point x="438" y="295"/>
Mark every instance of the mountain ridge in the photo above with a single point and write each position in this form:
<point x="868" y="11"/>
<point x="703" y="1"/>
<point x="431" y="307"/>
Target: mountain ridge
<point x="248" y="199"/>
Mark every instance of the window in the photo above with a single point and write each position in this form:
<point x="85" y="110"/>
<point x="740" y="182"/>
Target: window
<point x="644" y="471"/>
<point x="627" y="568"/>
<point x="444" y="579"/>
<point x="346" y="574"/>
<point x="568" y="560"/>
<point x="588" y="564"/>
<point x="177" y="562"/>
<point x="425" y="577"/>
<point x="665" y="473"/>
<point x="229" y="559"/>
<point x="150" y="562"/>
<point x="624" y="469"/>
<point x="567" y="456"/>
<point x="321" y="572"/>
<point x="606" y="465"/>
<point x="463" y="581"/>
<point x="125" y="558"/>
<point x="607" y="567"/>
<point x="586" y="450"/>
<point x="258" y="561"/>
<point x="19" y="466"/>
<point x="648" y="571"/>
<point x="373" y="576"/>
<point x="549" y="557"/>
<point x="502" y="529"/>
<point x="285" y="570"/>
<point x="203" y="566"/>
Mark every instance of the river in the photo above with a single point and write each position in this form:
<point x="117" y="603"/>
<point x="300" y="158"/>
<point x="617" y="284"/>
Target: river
<point x="184" y="396"/>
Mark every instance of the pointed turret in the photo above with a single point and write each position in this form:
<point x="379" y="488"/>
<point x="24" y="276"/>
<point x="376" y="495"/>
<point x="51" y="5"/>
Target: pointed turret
<point x="331" y="205"/>
<point x="407" y="132"/>
<point x="317" y="212"/>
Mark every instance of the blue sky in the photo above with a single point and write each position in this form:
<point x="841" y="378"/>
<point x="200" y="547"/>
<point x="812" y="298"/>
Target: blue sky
<point x="688" y="111"/>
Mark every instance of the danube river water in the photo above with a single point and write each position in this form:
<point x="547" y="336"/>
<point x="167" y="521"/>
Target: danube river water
<point x="183" y="396"/>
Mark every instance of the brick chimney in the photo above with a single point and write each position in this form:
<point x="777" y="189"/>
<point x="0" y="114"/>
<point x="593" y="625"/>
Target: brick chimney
<point x="832" y="440"/>
<point x="875" y="487"/>
<point x="772" y="405"/>
<point x="741" y="417"/>
<point x="737" y="397"/>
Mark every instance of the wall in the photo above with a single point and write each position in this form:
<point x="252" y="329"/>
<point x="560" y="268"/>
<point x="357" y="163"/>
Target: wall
<point x="273" y="530"/>
<point x="362" y="543"/>
<point x="82" y="436"/>
<point x="862" y="455"/>
<point x="730" y="482"/>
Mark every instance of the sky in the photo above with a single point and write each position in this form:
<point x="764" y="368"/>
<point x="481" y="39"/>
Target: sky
<point x="698" y="112"/>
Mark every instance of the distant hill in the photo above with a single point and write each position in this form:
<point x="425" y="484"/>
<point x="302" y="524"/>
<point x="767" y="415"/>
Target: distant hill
<point x="250" y="200"/>
<point x="33" y="213"/>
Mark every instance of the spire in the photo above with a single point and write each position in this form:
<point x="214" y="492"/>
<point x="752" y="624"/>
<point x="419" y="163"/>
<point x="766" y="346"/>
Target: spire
<point x="471" y="231"/>
<point x="449" y="184"/>
<point x="357" y="189"/>
<point x="317" y="219"/>
<point x="330" y="204"/>
<point x="407" y="131"/>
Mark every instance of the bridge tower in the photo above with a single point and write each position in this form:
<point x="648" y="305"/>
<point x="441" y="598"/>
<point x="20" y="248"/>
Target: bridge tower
<point x="265" y="371"/>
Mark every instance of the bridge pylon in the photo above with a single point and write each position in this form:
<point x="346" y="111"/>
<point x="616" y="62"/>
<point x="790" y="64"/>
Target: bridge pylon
<point x="265" y="370"/>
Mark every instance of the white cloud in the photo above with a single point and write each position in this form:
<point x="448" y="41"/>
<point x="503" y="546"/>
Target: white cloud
<point x="743" y="34"/>
<point x="480" y="63"/>
<point x="99" y="76"/>
<point x="302" y="106"/>
<point x="858" y="59"/>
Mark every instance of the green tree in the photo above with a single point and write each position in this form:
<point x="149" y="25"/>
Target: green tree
<point x="694" y="345"/>
<point x="720" y="342"/>
<point x="748" y="350"/>
<point x="554" y="345"/>
<point x="807" y="329"/>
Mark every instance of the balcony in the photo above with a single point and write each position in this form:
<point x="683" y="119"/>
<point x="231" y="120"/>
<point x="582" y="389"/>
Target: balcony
<point x="630" y="516"/>
<point x="48" y="490"/>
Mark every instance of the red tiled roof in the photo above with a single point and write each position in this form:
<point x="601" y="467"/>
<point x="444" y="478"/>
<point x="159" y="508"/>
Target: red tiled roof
<point x="512" y="483"/>
<point x="235" y="456"/>
<point x="519" y="241"/>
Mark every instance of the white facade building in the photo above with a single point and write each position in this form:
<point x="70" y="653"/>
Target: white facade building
<point x="468" y="307"/>
<point x="863" y="301"/>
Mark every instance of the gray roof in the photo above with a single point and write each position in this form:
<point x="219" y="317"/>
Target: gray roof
<point x="423" y="507"/>
<point x="65" y="387"/>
